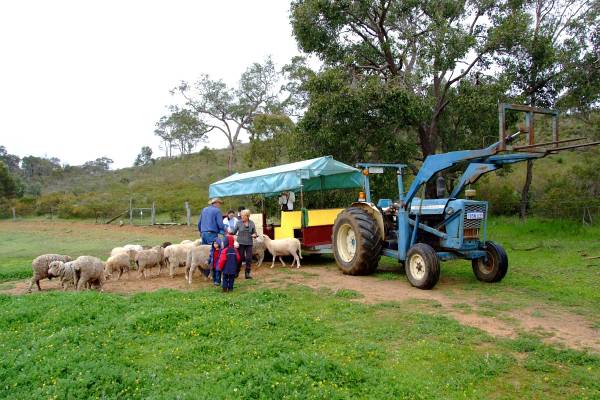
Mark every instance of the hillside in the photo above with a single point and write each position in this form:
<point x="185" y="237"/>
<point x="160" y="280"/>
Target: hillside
<point x="563" y="185"/>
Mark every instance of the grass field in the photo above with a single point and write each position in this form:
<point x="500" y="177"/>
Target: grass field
<point x="291" y="341"/>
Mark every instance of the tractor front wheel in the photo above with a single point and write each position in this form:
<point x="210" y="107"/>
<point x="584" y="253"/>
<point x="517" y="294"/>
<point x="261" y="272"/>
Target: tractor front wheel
<point x="422" y="266"/>
<point x="356" y="242"/>
<point x="494" y="266"/>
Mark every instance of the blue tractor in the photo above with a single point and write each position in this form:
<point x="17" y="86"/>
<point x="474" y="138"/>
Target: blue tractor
<point x="420" y="232"/>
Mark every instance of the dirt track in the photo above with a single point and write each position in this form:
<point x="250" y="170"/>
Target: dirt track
<point x="556" y="326"/>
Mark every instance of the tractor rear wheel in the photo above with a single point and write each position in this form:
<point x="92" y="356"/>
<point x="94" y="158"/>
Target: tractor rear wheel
<point x="422" y="266"/>
<point x="494" y="267"/>
<point x="356" y="242"/>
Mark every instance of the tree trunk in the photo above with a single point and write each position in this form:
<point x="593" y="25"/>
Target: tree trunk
<point x="427" y="132"/>
<point x="525" y="191"/>
<point x="230" y="158"/>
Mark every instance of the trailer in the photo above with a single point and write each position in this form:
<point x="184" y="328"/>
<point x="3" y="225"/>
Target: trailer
<point x="313" y="227"/>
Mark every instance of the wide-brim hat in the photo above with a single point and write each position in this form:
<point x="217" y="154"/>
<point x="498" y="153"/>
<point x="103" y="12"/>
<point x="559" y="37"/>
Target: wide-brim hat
<point x="215" y="200"/>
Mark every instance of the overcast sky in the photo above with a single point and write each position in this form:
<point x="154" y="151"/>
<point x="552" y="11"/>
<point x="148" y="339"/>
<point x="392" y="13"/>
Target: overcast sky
<point x="85" y="79"/>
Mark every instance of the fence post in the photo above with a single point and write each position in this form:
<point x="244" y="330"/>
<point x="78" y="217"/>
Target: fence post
<point x="188" y="213"/>
<point x="153" y="219"/>
<point x="130" y="211"/>
<point x="14" y="212"/>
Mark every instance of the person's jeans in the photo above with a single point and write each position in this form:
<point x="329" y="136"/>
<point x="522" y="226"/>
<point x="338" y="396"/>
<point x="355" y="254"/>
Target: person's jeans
<point x="246" y="255"/>
<point x="228" y="280"/>
<point x="216" y="276"/>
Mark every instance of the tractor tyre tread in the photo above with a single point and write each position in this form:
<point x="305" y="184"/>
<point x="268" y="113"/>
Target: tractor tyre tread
<point x="500" y="267"/>
<point x="369" y="245"/>
<point x="432" y="263"/>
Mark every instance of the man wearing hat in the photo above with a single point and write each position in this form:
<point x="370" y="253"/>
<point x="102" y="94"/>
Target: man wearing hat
<point x="210" y="223"/>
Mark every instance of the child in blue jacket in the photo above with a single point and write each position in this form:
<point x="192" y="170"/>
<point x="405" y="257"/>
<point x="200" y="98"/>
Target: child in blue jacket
<point x="228" y="263"/>
<point x="213" y="261"/>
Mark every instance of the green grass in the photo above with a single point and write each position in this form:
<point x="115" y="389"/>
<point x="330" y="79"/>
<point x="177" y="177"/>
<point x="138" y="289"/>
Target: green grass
<point x="290" y="343"/>
<point x="293" y="342"/>
<point x="553" y="273"/>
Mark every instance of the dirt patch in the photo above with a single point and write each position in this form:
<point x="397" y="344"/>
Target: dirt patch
<point x="555" y="326"/>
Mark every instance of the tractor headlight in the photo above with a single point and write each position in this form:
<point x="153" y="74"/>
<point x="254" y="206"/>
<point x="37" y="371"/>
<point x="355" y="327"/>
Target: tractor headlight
<point x="449" y="210"/>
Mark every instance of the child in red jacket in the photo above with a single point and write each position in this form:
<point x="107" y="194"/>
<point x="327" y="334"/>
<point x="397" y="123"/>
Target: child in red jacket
<point x="213" y="261"/>
<point x="228" y="262"/>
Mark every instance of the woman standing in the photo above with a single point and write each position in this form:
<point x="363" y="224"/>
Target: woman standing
<point x="245" y="231"/>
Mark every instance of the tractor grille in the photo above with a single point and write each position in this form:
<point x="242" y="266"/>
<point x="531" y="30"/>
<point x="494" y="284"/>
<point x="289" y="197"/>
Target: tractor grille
<point x="471" y="226"/>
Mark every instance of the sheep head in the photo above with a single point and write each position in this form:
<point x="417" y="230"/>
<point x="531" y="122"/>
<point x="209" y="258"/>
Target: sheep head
<point x="55" y="268"/>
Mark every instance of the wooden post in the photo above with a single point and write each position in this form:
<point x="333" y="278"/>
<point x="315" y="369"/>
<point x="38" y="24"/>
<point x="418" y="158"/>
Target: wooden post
<point x="188" y="213"/>
<point x="130" y="211"/>
<point x="14" y="211"/>
<point x="153" y="218"/>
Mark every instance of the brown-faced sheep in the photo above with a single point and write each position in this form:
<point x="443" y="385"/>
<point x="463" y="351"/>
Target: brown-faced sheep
<point x="40" y="266"/>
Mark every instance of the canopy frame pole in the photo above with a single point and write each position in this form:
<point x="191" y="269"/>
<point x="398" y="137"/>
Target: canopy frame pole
<point x="301" y="195"/>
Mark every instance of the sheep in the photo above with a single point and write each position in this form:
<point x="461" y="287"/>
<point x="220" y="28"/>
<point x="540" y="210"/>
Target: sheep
<point x="130" y="249"/>
<point x="284" y="247"/>
<point x="175" y="256"/>
<point x="186" y="241"/>
<point x="147" y="259"/>
<point x="88" y="270"/>
<point x="119" y="262"/>
<point x="40" y="266"/>
<point x="197" y="257"/>
<point x="65" y="271"/>
<point x="165" y="244"/>
<point x="258" y="250"/>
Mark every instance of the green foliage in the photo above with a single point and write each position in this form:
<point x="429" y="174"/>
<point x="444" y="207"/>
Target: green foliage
<point x="364" y="120"/>
<point x="415" y="47"/>
<point x="181" y="129"/>
<point x="269" y="140"/>
<point x="144" y="158"/>
<point x="8" y="184"/>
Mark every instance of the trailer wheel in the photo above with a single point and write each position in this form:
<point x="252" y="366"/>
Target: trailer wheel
<point x="356" y="242"/>
<point x="422" y="266"/>
<point x="495" y="267"/>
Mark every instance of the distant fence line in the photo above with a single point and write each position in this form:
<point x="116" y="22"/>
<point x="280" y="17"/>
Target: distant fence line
<point x="587" y="211"/>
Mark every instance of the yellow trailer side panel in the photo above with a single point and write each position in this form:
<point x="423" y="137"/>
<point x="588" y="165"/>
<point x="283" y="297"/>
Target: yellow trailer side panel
<point x="291" y="220"/>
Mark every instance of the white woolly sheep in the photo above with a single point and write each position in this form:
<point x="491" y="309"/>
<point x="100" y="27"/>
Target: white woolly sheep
<point x="40" y="265"/>
<point x="197" y="257"/>
<point x="150" y="258"/>
<point x="88" y="271"/>
<point x="119" y="262"/>
<point x="284" y="247"/>
<point x="65" y="271"/>
<point x="175" y="256"/>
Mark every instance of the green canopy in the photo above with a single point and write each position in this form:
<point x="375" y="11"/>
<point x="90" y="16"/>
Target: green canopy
<point x="321" y="173"/>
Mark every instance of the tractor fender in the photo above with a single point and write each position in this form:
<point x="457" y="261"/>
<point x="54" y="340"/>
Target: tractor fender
<point x="374" y="212"/>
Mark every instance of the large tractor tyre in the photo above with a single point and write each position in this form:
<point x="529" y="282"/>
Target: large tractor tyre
<point x="495" y="267"/>
<point x="356" y="242"/>
<point x="422" y="266"/>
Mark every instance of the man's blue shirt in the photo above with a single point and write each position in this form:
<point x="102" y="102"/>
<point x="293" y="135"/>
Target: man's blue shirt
<point x="211" y="220"/>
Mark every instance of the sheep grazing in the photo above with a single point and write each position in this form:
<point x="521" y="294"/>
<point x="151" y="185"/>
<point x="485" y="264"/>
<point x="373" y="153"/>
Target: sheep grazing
<point x="40" y="266"/>
<point x="117" y="263"/>
<point x="65" y="271"/>
<point x="284" y="247"/>
<point x="175" y="256"/>
<point x="151" y="258"/>
<point x="197" y="257"/>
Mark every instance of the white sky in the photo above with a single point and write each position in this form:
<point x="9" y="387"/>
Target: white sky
<point x="85" y="79"/>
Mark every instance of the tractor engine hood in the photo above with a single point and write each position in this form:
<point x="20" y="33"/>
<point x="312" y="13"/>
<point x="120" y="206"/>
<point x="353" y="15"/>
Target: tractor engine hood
<point x="428" y="206"/>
